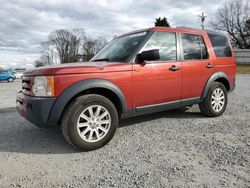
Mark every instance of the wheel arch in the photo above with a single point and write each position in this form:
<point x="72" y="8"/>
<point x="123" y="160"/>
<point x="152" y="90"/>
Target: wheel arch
<point x="216" y="77"/>
<point x="89" y="86"/>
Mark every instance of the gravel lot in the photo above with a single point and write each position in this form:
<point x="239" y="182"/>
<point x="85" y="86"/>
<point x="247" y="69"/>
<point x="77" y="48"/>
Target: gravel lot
<point x="8" y="93"/>
<point x="160" y="150"/>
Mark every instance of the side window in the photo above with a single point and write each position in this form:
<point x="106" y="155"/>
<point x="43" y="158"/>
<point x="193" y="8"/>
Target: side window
<point x="204" y="53"/>
<point x="166" y="43"/>
<point x="220" y="45"/>
<point x="194" y="47"/>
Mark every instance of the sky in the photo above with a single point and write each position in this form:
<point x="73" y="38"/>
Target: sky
<point x="26" y="23"/>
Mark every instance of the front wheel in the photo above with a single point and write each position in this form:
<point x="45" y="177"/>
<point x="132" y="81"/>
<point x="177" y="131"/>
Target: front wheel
<point x="89" y="122"/>
<point x="216" y="101"/>
<point x="10" y="80"/>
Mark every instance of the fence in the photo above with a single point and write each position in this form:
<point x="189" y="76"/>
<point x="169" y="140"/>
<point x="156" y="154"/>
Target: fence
<point x="242" y="56"/>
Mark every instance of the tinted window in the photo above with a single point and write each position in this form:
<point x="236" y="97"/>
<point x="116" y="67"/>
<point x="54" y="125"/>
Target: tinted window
<point x="166" y="43"/>
<point x="220" y="45"/>
<point x="204" y="53"/>
<point x="193" y="47"/>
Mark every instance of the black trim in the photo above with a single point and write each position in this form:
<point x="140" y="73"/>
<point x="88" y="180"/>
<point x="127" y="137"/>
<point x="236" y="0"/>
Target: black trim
<point x="160" y="107"/>
<point x="214" y="77"/>
<point x="62" y="100"/>
<point x="35" y="109"/>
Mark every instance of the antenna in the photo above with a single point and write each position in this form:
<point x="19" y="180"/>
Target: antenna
<point x="202" y="17"/>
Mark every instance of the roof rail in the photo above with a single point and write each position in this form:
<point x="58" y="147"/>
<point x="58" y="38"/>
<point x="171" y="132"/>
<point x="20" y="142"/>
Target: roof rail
<point x="216" y="31"/>
<point x="193" y="28"/>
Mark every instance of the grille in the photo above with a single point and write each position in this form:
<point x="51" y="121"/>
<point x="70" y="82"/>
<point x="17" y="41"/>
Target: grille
<point x="26" y="85"/>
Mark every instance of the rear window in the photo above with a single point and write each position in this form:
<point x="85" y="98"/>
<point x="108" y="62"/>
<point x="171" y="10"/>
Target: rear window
<point x="220" y="45"/>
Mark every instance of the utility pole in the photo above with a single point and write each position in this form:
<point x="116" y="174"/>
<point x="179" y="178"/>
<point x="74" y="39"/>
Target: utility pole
<point x="202" y="17"/>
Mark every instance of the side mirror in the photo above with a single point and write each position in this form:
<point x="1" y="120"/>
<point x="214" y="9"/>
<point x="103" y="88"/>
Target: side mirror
<point x="149" y="55"/>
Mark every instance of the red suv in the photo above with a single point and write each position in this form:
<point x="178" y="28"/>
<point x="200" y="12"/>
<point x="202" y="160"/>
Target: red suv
<point x="140" y="72"/>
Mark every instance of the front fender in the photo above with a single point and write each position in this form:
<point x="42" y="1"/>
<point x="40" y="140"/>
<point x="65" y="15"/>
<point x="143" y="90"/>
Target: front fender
<point x="62" y="100"/>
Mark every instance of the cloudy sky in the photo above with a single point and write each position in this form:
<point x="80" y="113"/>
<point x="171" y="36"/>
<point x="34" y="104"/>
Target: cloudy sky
<point x="25" y="23"/>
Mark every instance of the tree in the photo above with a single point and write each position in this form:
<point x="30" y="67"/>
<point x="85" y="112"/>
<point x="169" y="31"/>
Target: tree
<point x="49" y="54"/>
<point x="68" y="46"/>
<point x="163" y="22"/>
<point x="43" y="61"/>
<point x="92" y="46"/>
<point x="233" y="18"/>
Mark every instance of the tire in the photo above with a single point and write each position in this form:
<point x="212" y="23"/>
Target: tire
<point x="10" y="80"/>
<point x="77" y="124"/>
<point x="214" y="104"/>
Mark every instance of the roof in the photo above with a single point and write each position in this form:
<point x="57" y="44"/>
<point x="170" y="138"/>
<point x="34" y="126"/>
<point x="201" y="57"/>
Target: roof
<point x="170" y="29"/>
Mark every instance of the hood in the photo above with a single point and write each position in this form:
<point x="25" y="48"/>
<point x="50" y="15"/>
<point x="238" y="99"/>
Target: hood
<point x="80" y="68"/>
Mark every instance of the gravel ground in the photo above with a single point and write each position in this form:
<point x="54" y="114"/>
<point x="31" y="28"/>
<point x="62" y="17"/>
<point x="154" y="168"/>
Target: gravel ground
<point x="8" y="93"/>
<point x="160" y="150"/>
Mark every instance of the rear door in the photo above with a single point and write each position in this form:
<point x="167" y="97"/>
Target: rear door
<point x="197" y="65"/>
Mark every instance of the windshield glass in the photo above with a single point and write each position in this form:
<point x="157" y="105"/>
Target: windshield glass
<point x="120" y="48"/>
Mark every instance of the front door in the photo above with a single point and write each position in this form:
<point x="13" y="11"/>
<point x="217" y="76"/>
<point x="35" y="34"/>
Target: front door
<point x="158" y="82"/>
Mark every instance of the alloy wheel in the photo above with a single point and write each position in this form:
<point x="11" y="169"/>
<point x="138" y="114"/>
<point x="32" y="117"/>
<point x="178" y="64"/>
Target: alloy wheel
<point x="94" y="123"/>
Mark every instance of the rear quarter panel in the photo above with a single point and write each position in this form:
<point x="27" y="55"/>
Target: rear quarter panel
<point x="222" y="64"/>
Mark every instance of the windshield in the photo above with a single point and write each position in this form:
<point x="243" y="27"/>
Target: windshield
<point x="120" y="48"/>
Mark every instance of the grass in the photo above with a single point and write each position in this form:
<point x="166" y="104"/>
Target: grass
<point x="243" y="69"/>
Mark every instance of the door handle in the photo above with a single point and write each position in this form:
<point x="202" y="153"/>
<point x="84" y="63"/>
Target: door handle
<point x="209" y="65"/>
<point x="174" y="68"/>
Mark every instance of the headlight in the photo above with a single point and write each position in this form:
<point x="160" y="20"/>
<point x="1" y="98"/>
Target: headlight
<point x="43" y="86"/>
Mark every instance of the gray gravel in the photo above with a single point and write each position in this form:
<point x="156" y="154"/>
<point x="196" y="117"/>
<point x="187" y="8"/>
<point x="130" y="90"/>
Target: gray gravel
<point x="160" y="150"/>
<point x="8" y="93"/>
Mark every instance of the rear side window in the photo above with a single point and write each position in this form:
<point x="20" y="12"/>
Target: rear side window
<point x="220" y="45"/>
<point x="194" y="47"/>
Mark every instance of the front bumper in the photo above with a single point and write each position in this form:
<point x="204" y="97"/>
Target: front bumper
<point x="34" y="109"/>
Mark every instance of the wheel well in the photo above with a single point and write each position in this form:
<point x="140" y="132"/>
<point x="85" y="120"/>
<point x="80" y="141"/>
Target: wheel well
<point x="224" y="81"/>
<point x="104" y="92"/>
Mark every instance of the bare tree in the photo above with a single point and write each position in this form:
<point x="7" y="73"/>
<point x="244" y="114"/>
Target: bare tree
<point x="66" y="44"/>
<point x="233" y="18"/>
<point x="92" y="46"/>
<point x="69" y="46"/>
<point x="49" y="54"/>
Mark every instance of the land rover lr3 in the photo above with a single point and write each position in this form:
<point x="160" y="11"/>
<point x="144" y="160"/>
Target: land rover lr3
<point x="141" y="72"/>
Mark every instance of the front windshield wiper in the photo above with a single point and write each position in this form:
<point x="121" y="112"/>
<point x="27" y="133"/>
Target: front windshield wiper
<point x="102" y="59"/>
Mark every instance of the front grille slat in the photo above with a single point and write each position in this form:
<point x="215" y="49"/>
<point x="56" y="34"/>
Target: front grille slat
<point x="26" y="85"/>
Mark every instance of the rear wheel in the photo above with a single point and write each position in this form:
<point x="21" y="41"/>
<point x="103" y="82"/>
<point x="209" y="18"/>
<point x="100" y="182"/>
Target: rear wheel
<point x="10" y="80"/>
<point x="89" y="122"/>
<point x="216" y="101"/>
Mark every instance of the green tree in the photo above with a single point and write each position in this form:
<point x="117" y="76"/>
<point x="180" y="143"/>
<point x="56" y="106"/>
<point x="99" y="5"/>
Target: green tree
<point x="163" y="22"/>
